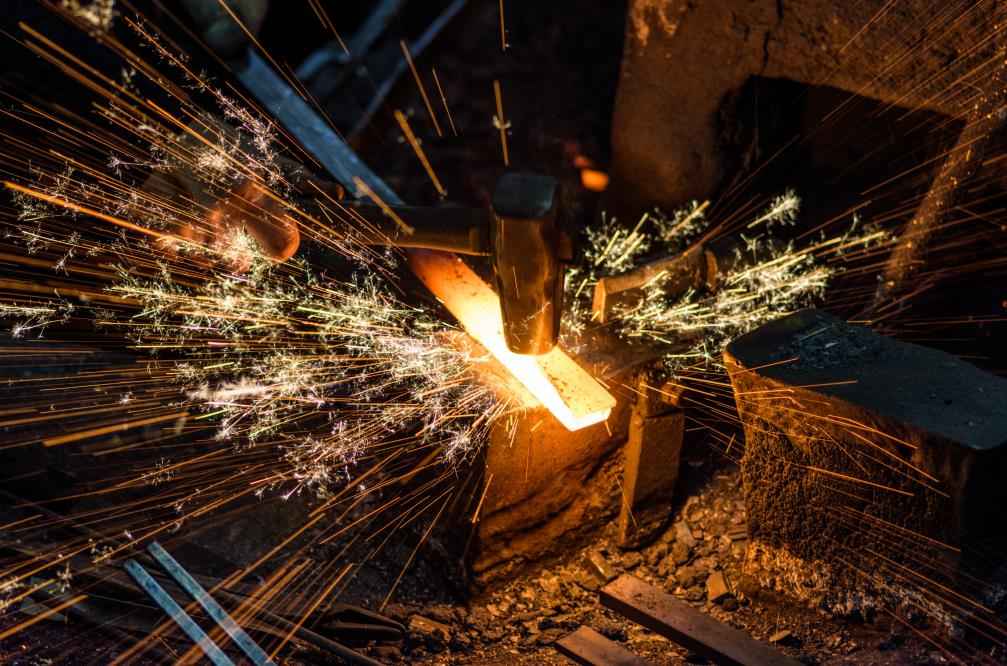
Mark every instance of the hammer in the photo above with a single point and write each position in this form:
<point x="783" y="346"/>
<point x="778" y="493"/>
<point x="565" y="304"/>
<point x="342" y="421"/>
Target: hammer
<point x="519" y="234"/>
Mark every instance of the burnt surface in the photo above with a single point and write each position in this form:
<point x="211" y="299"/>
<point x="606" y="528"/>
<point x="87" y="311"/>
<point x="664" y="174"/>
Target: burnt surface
<point x="922" y="387"/>
<point x="865" y="455"/>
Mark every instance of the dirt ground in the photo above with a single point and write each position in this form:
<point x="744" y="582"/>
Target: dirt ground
<point x="517" y="623"/>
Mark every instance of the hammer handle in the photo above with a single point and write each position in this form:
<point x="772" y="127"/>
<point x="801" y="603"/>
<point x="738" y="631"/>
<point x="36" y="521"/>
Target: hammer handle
<point x="461" y="230"/>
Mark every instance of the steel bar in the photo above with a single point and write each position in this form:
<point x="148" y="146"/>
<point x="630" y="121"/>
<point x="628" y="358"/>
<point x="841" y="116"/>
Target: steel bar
<point x="678" y="621"/>
<point x="352" y="656"/>
<point x="573" y="396"/>
<point x="110" y="576"/>
<point x="209" y="604"/>
<point x="177" y="614"/>
<point x="310" y="129"/>
<point x="416" y="47"/>
<point x="360" y="43"/>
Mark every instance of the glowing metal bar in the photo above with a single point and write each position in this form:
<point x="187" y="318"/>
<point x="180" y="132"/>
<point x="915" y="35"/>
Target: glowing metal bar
<point x="561" y="385"/>
<point x="575" y="398"/>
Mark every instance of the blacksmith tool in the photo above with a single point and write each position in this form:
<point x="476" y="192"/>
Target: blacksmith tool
<point x="350" y="623"/>
<point x="521" y="236"/>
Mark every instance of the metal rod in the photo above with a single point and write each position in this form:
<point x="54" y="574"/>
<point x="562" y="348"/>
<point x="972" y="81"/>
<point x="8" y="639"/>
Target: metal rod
<point x="416" y="48"/>
<point x="176" y="613"/>
<point x="360" y="43"/>
<point x="210" y="605"/>
<point x="284" y="103"/>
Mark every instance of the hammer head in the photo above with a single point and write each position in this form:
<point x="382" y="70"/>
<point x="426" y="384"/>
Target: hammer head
<point x="526" y="261"/>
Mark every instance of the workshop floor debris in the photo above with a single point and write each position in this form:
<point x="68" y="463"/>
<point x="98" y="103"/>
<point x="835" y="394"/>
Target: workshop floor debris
<point x="700" y="553"/>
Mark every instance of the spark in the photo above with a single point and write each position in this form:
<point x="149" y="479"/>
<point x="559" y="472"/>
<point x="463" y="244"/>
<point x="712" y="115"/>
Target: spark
<point x="293" y="380"/>
<point x="765" y="279"/>
<point x="288" y="380"/>
<point x="366" y="190"/>
<point x="503" y="28"/>
<point x="444" y="101"/>
<point x="782" y="210"/>
<point x="422" y="88"/>
<point x="97" y="14"/>
<point x="500" y="122"/>
<point x="407" y="131"/>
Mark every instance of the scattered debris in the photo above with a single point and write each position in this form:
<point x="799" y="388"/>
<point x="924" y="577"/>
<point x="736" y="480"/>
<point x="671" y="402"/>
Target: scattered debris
<point x="717" y="589"/>
<point x="432" y="631"/>
<point x="782" y="637"/>
<point x="599" y="566"/>
<point x="683" y="534"/>
<point x="680" y="553"/>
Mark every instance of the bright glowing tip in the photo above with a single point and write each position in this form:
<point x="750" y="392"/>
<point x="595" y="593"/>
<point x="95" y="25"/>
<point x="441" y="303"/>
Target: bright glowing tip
<point x="573" y="396"/>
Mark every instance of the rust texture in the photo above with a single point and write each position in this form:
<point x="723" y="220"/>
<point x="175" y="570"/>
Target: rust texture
<point x="684" y="62"/>
<point x="862" y="451"/>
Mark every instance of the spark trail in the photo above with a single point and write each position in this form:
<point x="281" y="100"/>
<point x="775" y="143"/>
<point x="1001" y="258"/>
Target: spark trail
<point x="249" y="377"/>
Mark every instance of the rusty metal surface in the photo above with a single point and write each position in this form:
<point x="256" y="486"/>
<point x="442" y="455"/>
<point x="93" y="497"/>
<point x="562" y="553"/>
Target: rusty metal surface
<point x="586" y="646"/>
<point x="678" y="621"/>
<point x="650" y="470"/>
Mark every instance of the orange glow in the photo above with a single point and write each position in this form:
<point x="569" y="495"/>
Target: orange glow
<point x="573" y="396"/>
<point x="594" y="180"/>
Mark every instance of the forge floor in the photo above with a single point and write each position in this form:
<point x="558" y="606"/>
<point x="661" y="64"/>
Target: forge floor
<point x="519" y="622"/>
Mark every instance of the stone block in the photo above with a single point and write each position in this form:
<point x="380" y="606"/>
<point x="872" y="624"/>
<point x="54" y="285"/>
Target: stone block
<point x="864" y="453"/>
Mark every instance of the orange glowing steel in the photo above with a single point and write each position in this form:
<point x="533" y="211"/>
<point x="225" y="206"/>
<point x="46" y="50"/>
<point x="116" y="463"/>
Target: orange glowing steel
<point x="562" y="386"/>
